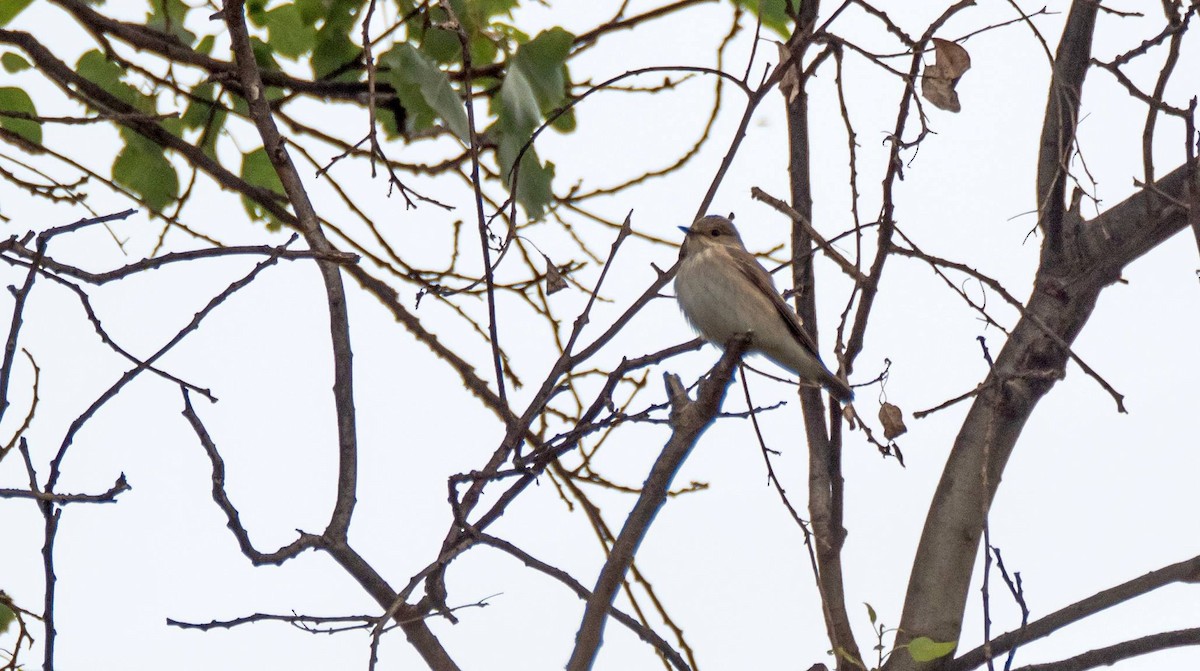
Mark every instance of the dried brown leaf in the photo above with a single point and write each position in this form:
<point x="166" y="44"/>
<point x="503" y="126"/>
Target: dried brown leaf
<point x="951" y="60"/>
<point x="892" y="419"/>
<point x="554" y="279"/>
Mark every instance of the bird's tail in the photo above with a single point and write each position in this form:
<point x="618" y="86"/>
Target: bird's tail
<point x="837" y="388"/>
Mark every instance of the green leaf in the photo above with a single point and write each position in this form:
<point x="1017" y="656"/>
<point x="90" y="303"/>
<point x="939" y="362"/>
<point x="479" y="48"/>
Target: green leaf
<point x="167" y="16"/>
<point x="206" y="44"/>
<point x="13" y="99"/>
<point x="264" y="54"/>
<point x="417" y="114"/>
<point x="774" y="14"/>
<point x="288" y="33"/>
<point x="849" y="657"/>
<point x="414" y="74"/>
<point x="925" y="649"/>
<point x="476" y="16"/>
<point x="333" y="53"/>
<point x="518" y="111"/>
<point x="543" y="60"/>
<point x="172" y="125"/>
<point x="511" y="32"/>
<point x="517" y="117"/>
<point x="107" y="75"/>
<point x="535" y="86"/>
<point x="533" y="184"/>
<point x="7" y="617"/>
<point x="491" y="8"/>
<point x="256" y="11"/>
<point x="10" y="8"/>
<point x="143" y="168"/>
<point x="208" y="139"/>
<point x="441" y="45"/>
<point x="484" y="50"/>
<point x="201" y="112"/>
<point x="257" y="170"/>
<point x="870" y="612"/>
<point x="564" y="122"/>
<point x="310" y="11"/>
<point x="340" y="15"/>
<point x="14" y="62"/>
<point x="199" y="107"/>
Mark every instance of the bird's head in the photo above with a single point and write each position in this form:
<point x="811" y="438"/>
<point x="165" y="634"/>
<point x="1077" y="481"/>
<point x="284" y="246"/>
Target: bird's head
<point x="712" y="230"/>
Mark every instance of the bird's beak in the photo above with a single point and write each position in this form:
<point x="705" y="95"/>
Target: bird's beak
<point x="685" y="229"/>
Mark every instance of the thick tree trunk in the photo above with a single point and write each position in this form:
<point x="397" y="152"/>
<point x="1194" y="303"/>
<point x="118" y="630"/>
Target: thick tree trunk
<point x="1028" y="365"/>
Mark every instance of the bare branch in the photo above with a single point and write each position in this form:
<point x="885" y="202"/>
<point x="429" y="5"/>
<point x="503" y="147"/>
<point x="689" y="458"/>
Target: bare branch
<point x="309" y="226"/>
<point x="796" y="217"/>
<point x="1109" y="655"/>
<point x="643" y="632"/>
<point x="233" y="518"/>
<point x="109" y="496"/>
<point x="1184" y="571"/>
<point x="691" y="418"/>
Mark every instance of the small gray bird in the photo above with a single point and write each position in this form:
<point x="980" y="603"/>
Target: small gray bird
<point x="723" y="291"/>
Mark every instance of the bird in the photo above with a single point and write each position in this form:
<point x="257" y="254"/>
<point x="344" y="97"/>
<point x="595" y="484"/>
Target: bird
<point x="724" y="291"/>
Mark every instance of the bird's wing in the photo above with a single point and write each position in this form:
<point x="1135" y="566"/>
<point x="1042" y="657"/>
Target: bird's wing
<point x="753" y="271"/>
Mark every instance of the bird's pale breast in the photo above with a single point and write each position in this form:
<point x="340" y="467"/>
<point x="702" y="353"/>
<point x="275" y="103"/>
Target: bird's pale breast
<point x="718" y="300"/>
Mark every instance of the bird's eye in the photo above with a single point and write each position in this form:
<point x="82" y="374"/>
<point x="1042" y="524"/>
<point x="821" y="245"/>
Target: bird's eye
<point x="716" y="233"/>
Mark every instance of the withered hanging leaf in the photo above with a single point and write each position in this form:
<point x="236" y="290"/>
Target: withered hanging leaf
<point x="893" y="421"/>
<point x="789" y="84"/>
<point x="554" y="279"/>
<point x="937" y="84"/>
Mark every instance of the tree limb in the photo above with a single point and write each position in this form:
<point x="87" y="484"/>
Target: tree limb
<point x="1184" y="571"/>
<point x="1025" y="370"/>
<point x="1109" y="655"/>
<point x="689" y="420"/>
<point x="1058" y="125"/>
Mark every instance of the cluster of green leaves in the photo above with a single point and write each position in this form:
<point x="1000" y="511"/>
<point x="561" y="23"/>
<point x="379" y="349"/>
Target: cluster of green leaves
<point x="421" y="80"/>
<point x="13" y="99"/>
<point x="141" y="166"/>
<point x="526" y="80"/>
<point x="322" y="31"/>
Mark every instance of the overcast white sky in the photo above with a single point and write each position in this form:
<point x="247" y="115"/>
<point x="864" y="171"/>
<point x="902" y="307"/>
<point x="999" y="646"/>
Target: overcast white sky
<point x="1090" y="499"/>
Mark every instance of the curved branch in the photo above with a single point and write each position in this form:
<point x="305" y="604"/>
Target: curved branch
<point x="309" y="226"/>
<point x="1184" y="571"/>
<point x="232" y="516"/>
<point x="1112" y="654"/>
